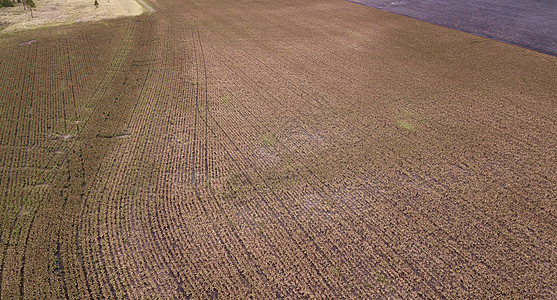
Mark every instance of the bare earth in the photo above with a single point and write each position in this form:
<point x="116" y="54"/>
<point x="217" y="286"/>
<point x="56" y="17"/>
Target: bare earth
<point x="275" y="149"/>
<point x="59" y="12"/>
<point x="527" y="23"/>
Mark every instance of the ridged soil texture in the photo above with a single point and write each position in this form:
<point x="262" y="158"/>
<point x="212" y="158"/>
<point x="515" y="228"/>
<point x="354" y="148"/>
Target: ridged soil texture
<point x="290" y="149"/>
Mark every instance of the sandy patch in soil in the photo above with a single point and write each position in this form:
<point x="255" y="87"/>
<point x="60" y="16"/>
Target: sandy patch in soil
<point x="58" y="12"/>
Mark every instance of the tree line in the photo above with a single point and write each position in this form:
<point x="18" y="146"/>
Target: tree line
<point x="26" y="4"/>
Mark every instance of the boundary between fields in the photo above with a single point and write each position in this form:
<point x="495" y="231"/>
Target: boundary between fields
<point x="522" y="45"/>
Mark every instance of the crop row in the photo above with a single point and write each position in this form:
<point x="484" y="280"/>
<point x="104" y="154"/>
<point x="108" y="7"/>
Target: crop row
<point x="41" y="149"/>
<point x="285" y="108"/>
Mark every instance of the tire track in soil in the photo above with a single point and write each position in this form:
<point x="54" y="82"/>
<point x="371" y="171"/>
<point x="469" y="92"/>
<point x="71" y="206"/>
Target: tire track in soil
<point x="132" y="219"/>
<point x="82" y="214"/>
<point x="108" y="280"/>
<point x="82" y="199"/>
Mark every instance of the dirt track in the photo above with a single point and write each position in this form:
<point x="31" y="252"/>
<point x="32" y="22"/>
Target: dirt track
<point x="275" y="149"/>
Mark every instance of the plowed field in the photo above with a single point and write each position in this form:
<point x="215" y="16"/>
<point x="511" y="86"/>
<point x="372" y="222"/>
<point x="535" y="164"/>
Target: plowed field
<point x="291" y="149"/>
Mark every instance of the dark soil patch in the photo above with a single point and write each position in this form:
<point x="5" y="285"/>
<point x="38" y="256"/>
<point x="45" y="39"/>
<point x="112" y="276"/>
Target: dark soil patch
<point x="527" y="23"/>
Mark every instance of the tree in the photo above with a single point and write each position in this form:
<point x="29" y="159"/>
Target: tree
<point x="96" y="4"/>
<point x="6" y="3"/>
<point x="31" y="5"/>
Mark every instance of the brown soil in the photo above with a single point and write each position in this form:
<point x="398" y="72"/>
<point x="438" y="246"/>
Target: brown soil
<point x="284" y="148"/>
